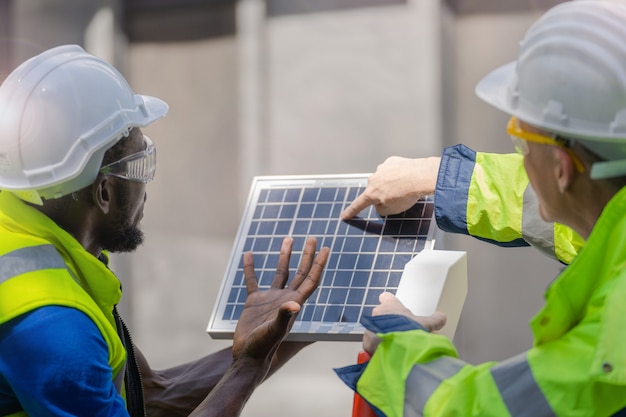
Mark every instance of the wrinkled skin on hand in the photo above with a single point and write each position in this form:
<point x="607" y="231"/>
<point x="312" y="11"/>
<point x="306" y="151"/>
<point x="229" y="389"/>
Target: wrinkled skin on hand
<point x="389" y="304"/>
<point x="268" y="315"/>
<point x="396" y="186"/>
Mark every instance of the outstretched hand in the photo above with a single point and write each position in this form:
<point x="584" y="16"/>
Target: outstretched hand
<point x="396" y="186"/>
<point x="268" y="315"/>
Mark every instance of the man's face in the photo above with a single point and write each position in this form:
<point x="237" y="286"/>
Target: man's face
<point x="122" y="231"/>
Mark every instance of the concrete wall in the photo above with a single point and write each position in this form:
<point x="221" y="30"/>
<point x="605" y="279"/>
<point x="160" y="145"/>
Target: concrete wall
<point x="333" y="91"/>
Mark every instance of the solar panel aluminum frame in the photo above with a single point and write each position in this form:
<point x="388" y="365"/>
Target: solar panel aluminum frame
<point x="369" y="227"/>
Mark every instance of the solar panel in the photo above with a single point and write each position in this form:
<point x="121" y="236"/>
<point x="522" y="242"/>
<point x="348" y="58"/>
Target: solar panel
<point x="367" y="253"/>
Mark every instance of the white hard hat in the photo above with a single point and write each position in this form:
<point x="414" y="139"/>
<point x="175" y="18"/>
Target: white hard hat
<point x="570" y="79"/>
<point x="59" y="112"/>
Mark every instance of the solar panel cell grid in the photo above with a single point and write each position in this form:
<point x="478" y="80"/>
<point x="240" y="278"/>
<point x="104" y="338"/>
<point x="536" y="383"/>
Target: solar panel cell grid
<point x="367" y="257"/>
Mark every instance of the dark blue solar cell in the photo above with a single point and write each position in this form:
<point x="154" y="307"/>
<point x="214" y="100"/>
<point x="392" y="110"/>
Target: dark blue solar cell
<point x="271" y="261"/>
<point x="318" y="314"/>
<point x="306" y="211"/>
<point x="301" y="227"/>
<point x="318" y="227"/>
<point x="266" y="277"/>
<point x="357" y="231"/>
<point x="254" y="228"/>
<point x="367" y="310"/>
<point x="292" y="195"/>
<point x="288" y="211"/>
<point x="266" y="228"/>
<point x="372" y="296"/>
<point x="258" y="211"/>
<point x="282" y="228"/>
<point x="351" y="314"/>
<point x="327" y="194"/>
<point x="378" y="279"/>
<point x="271" y="212"/>
<point x="392" y="227"/>
<point x="338" y="296"/>
<point x="261" y="244"/>
<point x="400" y="260"/>
<point x="332" y="262"/>
<point x="365" y="261"/>
<point x="394" y="279"/>
<point x="342" y="228"/>
<point x="336" y="211"/>
<point x="310" y="194"/>
<point x="342" y="279"/>
<point x="322" y="210"/>
<point x="347" y="261"/>
<point x="325" y="241"/>
<point x="424" y="226"/>
<point x="232" y="297"/>
<point x="407" y="246"/>
<point x="263" y="196"/>
<point x="277" y="243"/>
<point x="387" y="244"/>
<point x="353" y="192"/>
<point x="322" y="297"/>
<point x="410" y="228"/>
<point x="247" y="246"/>
<point x="333" y="314"/>
<point x="276" y="196"/>
<point x="228" y="312"/>
<point x="352" y="244"/>
<point x="370" y="244"/>
<point x="360" y="278"/>
<point x="383" y="261"/>
<point x="306" y="314"/>
<point x="298" y="244"/>
<point x="355" y="296"/>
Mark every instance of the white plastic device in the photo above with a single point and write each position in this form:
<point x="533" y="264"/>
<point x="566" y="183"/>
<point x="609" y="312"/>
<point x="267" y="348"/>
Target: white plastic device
<point x="435" y="280"/>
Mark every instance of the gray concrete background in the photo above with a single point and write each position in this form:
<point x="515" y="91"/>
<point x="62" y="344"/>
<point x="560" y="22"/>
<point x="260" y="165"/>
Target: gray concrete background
<point x="313" y="93"/>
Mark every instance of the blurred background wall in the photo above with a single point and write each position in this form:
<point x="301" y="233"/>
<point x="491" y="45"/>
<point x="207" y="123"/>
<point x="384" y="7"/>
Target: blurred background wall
<point x="262" y="87"/>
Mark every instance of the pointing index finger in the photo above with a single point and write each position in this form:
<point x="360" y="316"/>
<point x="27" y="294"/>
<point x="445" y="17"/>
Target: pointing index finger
<point x="359" y="203"/>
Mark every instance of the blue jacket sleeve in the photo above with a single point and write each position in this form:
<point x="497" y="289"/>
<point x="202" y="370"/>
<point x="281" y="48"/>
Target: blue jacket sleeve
<point x="54" y="362"/>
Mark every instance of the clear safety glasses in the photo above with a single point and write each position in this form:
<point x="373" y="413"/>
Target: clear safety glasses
<point x="139" y="166"/>
<point x="520" y="137"/>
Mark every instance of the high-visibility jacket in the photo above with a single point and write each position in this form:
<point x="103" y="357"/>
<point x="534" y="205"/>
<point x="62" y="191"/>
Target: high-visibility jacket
<point x="42" y="265"/>
<point x="577" y="364"/>
<point x="488" y="196"/>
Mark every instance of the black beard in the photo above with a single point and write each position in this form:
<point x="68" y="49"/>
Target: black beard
<point x="125" y="236"/>
<point x="127" y="240"/>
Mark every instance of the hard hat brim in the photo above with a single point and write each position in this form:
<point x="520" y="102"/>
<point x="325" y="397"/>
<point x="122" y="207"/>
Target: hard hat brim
<point x="494" y="87"/>
<point x="157" y="107"/>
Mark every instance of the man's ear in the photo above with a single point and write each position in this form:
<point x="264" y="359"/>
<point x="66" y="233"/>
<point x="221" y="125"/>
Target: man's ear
<point x="102" y="193"/>
<point x="565" y="170"/>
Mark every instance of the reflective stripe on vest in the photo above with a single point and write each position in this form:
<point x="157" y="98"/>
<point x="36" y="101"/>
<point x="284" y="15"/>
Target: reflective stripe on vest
<point x="38" y="258"/>
<point x="29" y="259"/>
<point x="424" y="379"/>
<point x="535" y="230"/>
<point x="519" y="390"/>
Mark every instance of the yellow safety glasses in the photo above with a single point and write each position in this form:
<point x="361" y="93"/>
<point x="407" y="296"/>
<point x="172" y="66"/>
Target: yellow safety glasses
<point x="520" y="137"/>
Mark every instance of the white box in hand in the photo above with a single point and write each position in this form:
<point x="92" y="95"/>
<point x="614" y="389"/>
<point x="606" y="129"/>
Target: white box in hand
<point x="435" y="280"/>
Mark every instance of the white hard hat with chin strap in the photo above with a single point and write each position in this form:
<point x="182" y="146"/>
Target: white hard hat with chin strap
<point x="59" y="113"/>
<point x="570" y="79"/>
